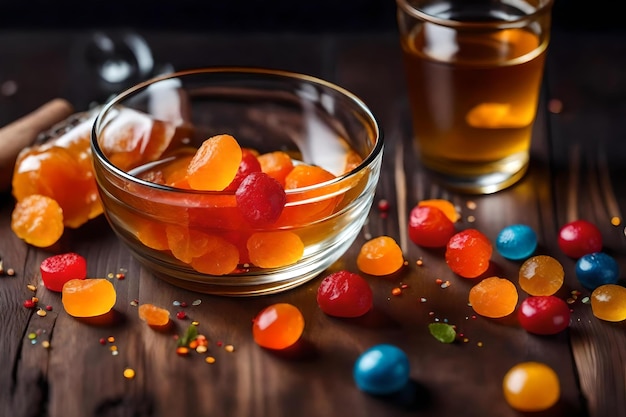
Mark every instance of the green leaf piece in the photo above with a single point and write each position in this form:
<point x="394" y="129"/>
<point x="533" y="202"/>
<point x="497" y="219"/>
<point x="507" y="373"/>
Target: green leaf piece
<point x="190" y="334"/>
<point x="443" y="332"/>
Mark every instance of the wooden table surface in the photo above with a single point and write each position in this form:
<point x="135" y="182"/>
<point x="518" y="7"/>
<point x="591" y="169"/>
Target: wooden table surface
<point x="577" y="171"/>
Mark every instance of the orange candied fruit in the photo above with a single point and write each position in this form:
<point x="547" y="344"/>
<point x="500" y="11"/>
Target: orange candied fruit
<point x="493" y="297"/>
<point x="320" y="205"/>
<point x="380" y="256"/>
<point x="215" y="164"/>
<point x="154" y="315"/>
<point x="220" y="258"/>
<point x="53" y="171"/>
<point x="468" y="253"/>
<point x="444" y="205"/>
<point x="88" y="297"/>
<point x="38" y="220"/>
<point x="278" y="326"/>
<point x="276" y="164"/>
<point x="274" y="249"/>
<point x="133" y="138"/>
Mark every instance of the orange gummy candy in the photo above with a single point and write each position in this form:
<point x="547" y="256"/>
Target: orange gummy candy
<point x="274" y="249"/>
<point x="278" y="326"/>
<point x="317" y="203"/>
<point x="38" y="220"/>
<point x="154" y="315"/>
<point x="88" y="297"/>
<point x="186" y="243"/>
<point x="380" y="256"/>
<point x="53" y="171"/>
<point x="493" y="297"/>
<point x="215" y="163"/>
<point x="132" y="138"/>
<point x="276" y="164"/>
<point x="220" y="258"/>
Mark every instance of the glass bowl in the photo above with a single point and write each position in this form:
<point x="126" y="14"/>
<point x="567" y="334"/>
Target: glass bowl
<point x="142" y="143"/>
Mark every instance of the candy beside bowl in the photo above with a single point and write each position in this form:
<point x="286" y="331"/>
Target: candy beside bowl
<point x="187" y="166"/>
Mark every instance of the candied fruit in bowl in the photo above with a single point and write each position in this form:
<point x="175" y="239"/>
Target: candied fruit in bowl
<point x="261" y="189"/>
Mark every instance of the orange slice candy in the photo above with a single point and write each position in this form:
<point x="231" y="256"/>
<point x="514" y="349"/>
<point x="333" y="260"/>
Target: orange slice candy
<point x="38" y="220"/>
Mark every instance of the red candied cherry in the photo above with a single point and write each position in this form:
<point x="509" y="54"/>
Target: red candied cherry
<point x="249" y="164"/>
<point x="260" y="198"/>
<point x="58" y="269"/>
<point x="468" y="253"/>
<point x="579" y="237"/>
<point x="430" y="227"/>
<point x="544" y="314"/>
<point x="344" y="294"/>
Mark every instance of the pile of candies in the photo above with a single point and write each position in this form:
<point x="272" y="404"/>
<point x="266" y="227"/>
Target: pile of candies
<point x="54" y="181"/>
<point x="244" y="223"/>
<point x="254" y="223"/>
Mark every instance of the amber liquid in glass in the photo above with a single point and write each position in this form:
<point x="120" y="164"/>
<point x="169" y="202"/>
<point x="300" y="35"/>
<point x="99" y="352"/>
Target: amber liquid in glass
<point x="474" y="97"/>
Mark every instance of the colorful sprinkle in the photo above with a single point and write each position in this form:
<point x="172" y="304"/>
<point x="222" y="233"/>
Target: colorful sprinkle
<point x="209" y="359"/>
<point x="182" y="351"/>
<point x="229" y="348"/>
<point x="129" y="373"/>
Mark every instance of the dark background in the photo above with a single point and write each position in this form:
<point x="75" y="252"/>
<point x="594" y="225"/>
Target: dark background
<point x="257" y="15"/>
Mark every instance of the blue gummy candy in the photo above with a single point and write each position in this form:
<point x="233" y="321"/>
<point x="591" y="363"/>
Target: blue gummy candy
<point x="517" y="241"/>
<point x="382" y="369"/>
<point x="595" y="269"/>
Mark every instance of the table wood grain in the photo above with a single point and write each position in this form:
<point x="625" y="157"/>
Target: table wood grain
<point x="577" y="171"/>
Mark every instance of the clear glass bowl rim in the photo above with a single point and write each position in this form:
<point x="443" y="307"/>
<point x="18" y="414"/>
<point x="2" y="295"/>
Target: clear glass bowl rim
<point x="253" y="71"/>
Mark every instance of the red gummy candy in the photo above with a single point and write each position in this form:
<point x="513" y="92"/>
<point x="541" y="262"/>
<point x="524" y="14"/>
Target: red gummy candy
<point x="430" y="227"/>
<point x="579" y="237"/>
<point x="260" y="198"/>
<point x="58" y="269"/>
<point x="468" y="253"/>
<point x="344" y="294"/>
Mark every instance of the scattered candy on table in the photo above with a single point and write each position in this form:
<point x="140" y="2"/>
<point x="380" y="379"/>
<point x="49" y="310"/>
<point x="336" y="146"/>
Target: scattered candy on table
<point x="382" y="369"/>
<point x="430" y="227"/>
<point x="468" y="253"/>
<point x="380" y="256"/>
<point x="278" y="326"/>
<point x="595" y="269"/>
<point x="153" y="315"/>
<point x="493" y="297"/>
<point x="517" y="241"/>
<point x="88" y="297"/>
<point x="544" y="314"/>
<point x="531" y="386"/>
<point x="541" y="275"/>
<point x="344" y="294"/>
<point x="56" y="270"/>
<point x="579" y="237"/>
<point x="608" y="302"/>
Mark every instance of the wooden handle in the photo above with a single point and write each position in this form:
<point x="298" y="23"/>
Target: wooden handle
<point x="22" y="133"/>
